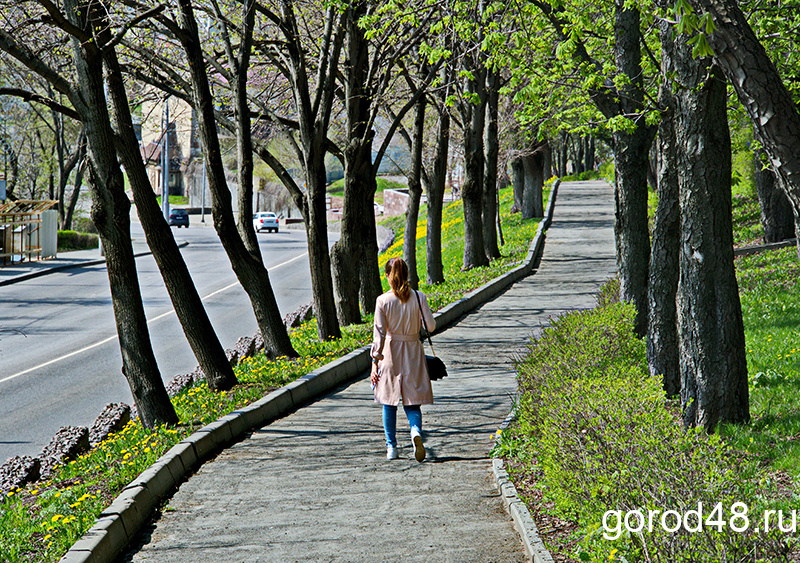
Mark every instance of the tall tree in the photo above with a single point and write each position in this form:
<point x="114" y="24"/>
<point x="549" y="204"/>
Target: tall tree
<point x="110" y="207"/>
<point x="180" y="287"/>
<point x="773" y="111"/>
<point x="713" y="365"/>
<point x="249" y="269"/>
<point x="414" y="193"/>
<point x="438" y="181"/>
<point x="472" y="108"/>
<point x="491" y="145"/>
<point x="664" y="272"/>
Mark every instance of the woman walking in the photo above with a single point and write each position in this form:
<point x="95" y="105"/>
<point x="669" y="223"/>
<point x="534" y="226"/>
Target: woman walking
<point x="399" y="374"/>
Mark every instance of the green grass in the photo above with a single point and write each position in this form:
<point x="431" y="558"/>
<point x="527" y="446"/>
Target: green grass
<point x="770" y="295"/>
<point x="40" y="522"/>
<point x="517" y="233"/>
<point x="337" y="188"/>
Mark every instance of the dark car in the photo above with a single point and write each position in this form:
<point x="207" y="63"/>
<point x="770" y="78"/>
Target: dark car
<point x="179" y="218"/>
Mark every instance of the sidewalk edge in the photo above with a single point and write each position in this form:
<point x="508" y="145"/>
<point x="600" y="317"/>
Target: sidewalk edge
<point x="54" y="269"/>
<point x="121" y="521"/>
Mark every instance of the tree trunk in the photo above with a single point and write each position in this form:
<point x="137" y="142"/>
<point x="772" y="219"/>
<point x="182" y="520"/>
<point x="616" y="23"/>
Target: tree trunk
<point x="250" y="271"/>
<point x="492" y="151"/>
<point x="472" y="195"/>
<point x="474" y="121"/>
<point x="518" y="181"/>
<point x="436" y="192"/>
<point x="111" y="216"/>
<point x="580" y="156"/>
<point x="67" y="211"/>
<point x="548" y="160"/>
<point x="758" y="85"/>
<point x="631" y="158"/>
<point x="532" y="198"/>
<point x="562" y="161"/>
<point x="244" y="135"/>
<point x="776" y="209"/>
<point x="662" y="327"/>
<point x="414" y="195"/>
<point x="73" y="198"/>
<point x="318" y="257"/>
<point x="712" y="347"/>
<point x="180" y="286"/>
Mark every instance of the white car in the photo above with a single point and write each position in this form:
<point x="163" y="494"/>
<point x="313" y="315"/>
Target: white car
<point x="265" y="221"/>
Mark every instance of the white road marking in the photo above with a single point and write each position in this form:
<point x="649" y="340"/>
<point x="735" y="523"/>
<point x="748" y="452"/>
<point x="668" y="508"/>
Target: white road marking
<point x="110" y="338"/>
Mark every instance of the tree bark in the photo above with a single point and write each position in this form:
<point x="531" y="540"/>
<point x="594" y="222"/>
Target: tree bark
<point x="66" y="225"/>
<point x="664" y="271"/>
<point x="518" y="181"/>
<point x="492" y="152"/>
<point x="350" y="251"/>
<point x="244" y="135"/>
<point x="436" y="190"/>
<point x="178" y="281"/>
<point x="776" y="209"/>
<point x="758" y="85"/>
<point x="473" y="115"/>
<point x="249" y="270"/>
<point x="631" y="159"/>
<point x="712" y="347"/>
<point x="111" y="216"/>
<point x="532" y="198"/>
<point x="414" y="195"/>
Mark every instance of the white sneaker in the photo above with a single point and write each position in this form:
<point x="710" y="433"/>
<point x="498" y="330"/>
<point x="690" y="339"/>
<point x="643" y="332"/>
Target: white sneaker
<point x="391" y="452"/>
<point x="419" y="448"/>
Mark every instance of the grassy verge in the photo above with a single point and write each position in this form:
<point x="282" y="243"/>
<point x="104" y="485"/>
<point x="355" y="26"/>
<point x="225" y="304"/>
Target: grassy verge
<point x="336" y="188"/>
<point x="40" y="522"/>
<point x="596" y="435"/>
<point x="175" y="200"/>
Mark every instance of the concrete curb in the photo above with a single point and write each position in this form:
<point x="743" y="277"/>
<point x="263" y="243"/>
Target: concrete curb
<point x="63" y="267"/>
<point x="119" y="523"/>
<point x="523" y="522"/>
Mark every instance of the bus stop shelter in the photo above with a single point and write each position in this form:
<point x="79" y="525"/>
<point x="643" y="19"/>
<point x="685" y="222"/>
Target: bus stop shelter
<point x="28" y="231"/>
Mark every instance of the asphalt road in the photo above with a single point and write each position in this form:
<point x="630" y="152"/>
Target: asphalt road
<point x="64" y="365"/>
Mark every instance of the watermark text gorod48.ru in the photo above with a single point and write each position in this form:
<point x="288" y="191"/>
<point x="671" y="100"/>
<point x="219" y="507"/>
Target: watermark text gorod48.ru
<point x="615" y="522"/>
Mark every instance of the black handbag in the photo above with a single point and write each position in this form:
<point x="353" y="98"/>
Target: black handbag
<point x="436" y="368"/>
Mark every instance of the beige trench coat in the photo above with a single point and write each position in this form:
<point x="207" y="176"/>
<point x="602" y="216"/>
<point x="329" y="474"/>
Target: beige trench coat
<point x="395" y="343"/>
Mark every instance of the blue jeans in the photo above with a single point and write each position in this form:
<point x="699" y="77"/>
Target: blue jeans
<point x="414" y="415"/>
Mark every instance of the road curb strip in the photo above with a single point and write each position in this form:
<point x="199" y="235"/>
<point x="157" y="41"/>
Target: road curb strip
<point x="46" y="271"/>
<point x="118" y="524"/>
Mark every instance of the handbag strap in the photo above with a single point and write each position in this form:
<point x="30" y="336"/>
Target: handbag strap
<point x="422" y="318"/>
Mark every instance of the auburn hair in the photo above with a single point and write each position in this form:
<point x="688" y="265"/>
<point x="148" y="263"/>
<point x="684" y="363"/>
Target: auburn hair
<point x="397" y="272"/>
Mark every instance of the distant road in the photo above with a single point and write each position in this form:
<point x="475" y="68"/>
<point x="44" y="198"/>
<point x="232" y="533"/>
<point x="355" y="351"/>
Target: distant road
<point x="65" y="366"/>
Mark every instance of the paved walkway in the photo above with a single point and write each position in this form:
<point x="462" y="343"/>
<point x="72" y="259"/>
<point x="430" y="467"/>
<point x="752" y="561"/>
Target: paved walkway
<point x="315" y="485"/>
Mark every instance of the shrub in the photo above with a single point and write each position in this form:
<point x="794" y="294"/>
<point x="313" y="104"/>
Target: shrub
<point x="71" y="240"/>
<point x="84" y="225"/>
<point x="601" y="432"/>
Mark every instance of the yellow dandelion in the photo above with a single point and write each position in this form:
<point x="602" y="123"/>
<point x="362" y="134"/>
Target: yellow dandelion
<point x="56" y="518"/>
<point x="47" y="537"/>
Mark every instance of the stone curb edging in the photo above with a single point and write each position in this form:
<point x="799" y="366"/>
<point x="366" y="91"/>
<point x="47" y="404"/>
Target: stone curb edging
<point x="523" y="522"/>
<point x="756" y="248"/>
<point x="518" y="510"/>
<point x="46" y="271"/>
<point x="119" y="523"/>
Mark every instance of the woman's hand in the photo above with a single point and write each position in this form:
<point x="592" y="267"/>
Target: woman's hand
<point x="374" y="375"/>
